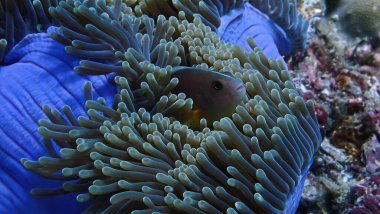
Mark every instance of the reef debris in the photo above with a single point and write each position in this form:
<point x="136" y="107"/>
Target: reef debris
<point x="342" y="75"/>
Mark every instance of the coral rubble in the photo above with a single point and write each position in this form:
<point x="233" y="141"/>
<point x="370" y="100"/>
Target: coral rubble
<point x="342" y="75"/>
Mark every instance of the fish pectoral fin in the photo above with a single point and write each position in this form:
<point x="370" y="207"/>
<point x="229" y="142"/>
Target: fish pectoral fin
<point x="191" y="118"/>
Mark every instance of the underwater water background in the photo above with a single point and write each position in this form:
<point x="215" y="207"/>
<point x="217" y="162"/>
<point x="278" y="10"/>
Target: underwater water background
<point x="171" y="106"/>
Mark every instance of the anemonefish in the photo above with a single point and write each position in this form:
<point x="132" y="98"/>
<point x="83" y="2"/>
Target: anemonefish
<point x="215" y="94"/>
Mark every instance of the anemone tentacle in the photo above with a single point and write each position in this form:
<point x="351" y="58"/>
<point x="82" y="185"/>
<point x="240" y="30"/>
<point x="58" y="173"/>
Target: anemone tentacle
<point x="115" y="43"/>
<point x="22" y="17"/>
<point x="210" y="11"/>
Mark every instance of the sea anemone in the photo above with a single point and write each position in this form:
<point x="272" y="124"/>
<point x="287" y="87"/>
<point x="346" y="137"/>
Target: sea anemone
<point x="276" y="20"/>
<point x="130" y="156"/>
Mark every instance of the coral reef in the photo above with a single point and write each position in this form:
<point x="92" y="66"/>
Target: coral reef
<point x="129" y="156"/>
<point x="342" y="75"/>
<point x="369" y="195"/>
<point x="358" y="18"/>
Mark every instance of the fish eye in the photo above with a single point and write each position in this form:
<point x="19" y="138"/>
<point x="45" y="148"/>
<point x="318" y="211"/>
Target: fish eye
<point x="217" y="85"/>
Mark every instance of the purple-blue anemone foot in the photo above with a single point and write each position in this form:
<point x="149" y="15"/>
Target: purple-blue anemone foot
<point x="35" y="74"/>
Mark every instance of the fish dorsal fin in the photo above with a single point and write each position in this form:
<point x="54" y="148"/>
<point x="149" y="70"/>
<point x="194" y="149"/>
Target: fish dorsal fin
<point x="227" y="73"/>
<point x="184" y="68"/>
<point x="178" y="68"/>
